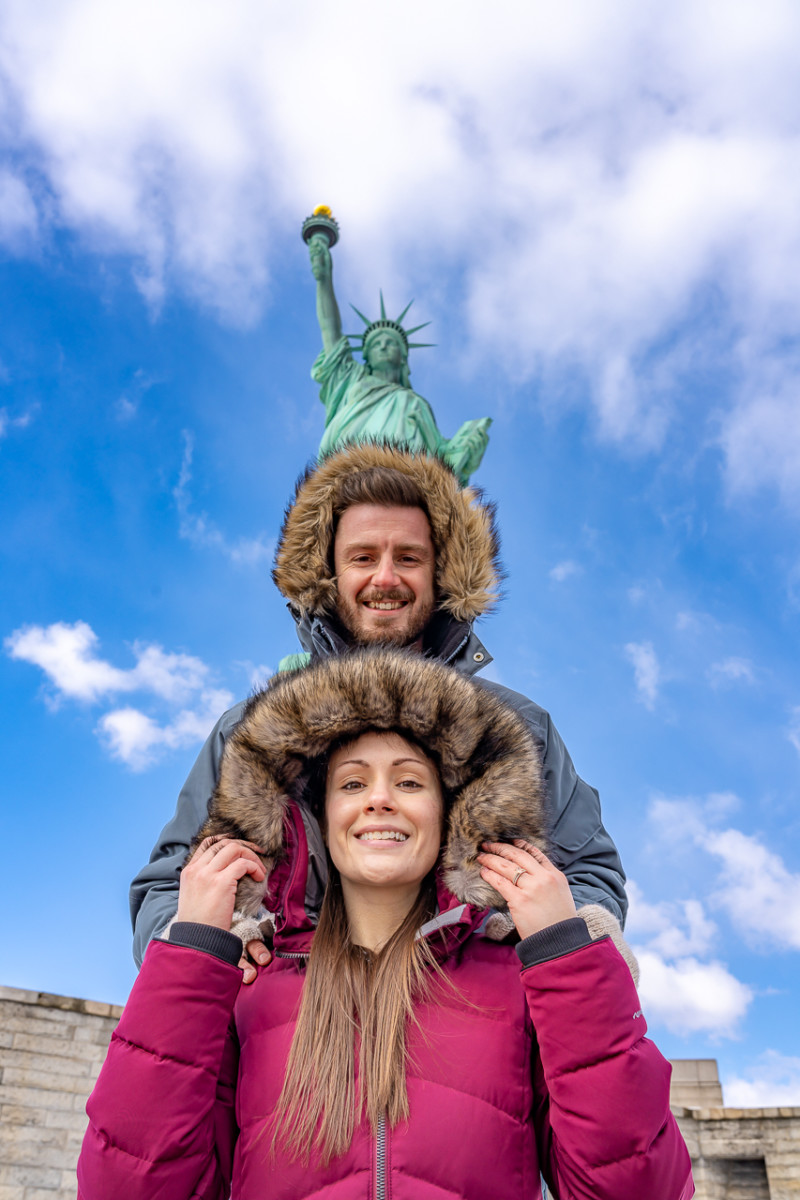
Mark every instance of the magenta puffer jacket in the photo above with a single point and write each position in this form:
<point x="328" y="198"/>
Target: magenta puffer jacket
<point x="547" y="1069"/>
<point x="534" y="1061"/>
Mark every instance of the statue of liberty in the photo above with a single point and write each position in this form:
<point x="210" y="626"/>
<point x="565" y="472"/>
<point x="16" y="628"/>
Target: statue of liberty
<point x="374" y="400"/>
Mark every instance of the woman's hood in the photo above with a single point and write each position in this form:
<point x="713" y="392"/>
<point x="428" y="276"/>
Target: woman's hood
<point x="488" y="761"/>
<point x="463" y="530"/>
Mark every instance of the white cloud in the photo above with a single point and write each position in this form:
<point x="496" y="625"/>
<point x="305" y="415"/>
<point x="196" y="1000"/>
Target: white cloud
<point x="128" y="402"/>
<point x="7" y="422"/>
<point x="773" y="1081"/>
<point x="603" y="168"/>
<point x="689" y="996"/>
<point x="138" y="740"/>
<point x="68" y="655"/>
<point x="760" y="437"/>
<point x="753" y="886"/>
<point x="646" y="671"/>
<point x="673" y="929"/>
<point x="257" y="673"/>
<point x="678" y="989"/>
<point x="18" y="217"/>
<point x="564" y="570"/>
<point x="756" y="889"/>
<point x="731" y="670"/>
<point x="200" y="531"/>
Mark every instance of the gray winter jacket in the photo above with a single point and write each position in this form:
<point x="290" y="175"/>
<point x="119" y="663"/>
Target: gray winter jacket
<point x="467" y="582"/>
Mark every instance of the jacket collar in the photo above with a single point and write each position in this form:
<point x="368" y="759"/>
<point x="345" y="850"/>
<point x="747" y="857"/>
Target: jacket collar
<point x="452" y="642"/>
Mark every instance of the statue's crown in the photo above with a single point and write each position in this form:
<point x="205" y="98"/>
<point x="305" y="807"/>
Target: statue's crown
<point x="384" y="322"/>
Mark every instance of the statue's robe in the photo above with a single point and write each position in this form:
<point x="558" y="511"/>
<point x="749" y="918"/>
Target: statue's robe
<point x="359" y="408"/>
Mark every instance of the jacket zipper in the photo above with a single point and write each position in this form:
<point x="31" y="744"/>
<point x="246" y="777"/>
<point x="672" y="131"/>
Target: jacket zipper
<point x="380" y="1160"/>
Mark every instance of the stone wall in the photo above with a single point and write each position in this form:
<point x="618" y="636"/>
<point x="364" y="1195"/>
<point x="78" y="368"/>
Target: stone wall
<point x="743" y="1153"/>
<point x="51" y="1050"/>
<point x="737" y="1153"/>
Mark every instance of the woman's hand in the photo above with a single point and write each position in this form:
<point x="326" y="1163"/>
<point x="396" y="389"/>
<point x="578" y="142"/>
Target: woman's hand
<point x="536" y="892"/>
<point x="210" y="878"/>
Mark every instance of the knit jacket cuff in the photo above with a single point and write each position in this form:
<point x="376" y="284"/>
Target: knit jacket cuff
<point x="207" y="938"/>
<point x="553" y="941"/>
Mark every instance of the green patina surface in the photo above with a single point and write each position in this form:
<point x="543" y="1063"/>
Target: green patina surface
<point x="373" y="400"/>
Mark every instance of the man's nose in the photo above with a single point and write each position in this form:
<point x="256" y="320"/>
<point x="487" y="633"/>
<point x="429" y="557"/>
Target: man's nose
<point x="386" y="572"/>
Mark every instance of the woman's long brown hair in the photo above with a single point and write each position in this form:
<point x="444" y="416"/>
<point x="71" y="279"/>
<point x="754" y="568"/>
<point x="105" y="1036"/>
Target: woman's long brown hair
<point x="351" y="991"/>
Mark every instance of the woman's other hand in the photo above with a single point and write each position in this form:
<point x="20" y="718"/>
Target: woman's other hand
<point x="209" y="880"/>
<point x="536" y="892"/>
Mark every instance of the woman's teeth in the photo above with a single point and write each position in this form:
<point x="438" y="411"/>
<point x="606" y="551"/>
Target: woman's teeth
<point x="383" y="835"/>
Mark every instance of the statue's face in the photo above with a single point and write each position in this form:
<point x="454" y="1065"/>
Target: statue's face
<point x="384" y="348"/>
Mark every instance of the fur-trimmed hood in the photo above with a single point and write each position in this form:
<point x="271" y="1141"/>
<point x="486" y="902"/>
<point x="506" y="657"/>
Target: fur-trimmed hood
<point x="463" y="529"/>
<point x="488" y="761"/>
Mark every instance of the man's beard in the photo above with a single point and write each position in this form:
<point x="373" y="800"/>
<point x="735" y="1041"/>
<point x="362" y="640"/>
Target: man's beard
<point x="396" y="633"/>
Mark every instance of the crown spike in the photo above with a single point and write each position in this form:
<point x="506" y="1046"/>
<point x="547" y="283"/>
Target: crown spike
<point x="383" y="306"/>
<point x="366" y="320"/>
<point x="403" y="313"/>
<point x="421" y="345"/>
<point x="416" y="328"/>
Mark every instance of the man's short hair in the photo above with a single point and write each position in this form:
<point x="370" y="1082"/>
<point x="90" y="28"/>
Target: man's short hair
<point x="383" y="486"/>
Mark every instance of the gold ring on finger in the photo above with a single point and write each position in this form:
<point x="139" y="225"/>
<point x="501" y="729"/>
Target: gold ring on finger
<point x="519" y="871"/>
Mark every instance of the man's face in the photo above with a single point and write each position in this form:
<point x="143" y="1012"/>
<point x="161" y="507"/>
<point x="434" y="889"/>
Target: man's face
<point x="384" y="563"/>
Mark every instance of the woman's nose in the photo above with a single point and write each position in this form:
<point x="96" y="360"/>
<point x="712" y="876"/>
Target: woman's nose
<point x="379" y="798"/>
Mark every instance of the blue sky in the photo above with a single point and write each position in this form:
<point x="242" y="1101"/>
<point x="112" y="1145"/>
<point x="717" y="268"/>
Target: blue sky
<point x="599" y="217"/>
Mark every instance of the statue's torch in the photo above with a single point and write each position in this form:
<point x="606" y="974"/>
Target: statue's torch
<point x="321" y="222"/>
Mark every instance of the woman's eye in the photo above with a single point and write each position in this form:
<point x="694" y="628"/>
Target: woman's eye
<point x="410" y="784"/>
<point x="352" y="785"/>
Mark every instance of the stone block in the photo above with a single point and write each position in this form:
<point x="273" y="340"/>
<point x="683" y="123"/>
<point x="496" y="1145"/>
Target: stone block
<point x="63" y="1047"/>
<point x="48" y="1081"/>
<point x="56" y="1119"/>
<point x="49" y="1064"/>
<point x="32" y="1098"/>
<point x="97" y="1033"/>
<point x="35" y="1177"/>
<point x="60" y="1194"/>
<point x="18" y="995"/>
<point x="69" y="1181"/>
<point x="18" y="1114"/>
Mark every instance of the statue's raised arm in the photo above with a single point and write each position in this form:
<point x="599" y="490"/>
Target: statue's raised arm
<point x="374" y="400"/>
<point x="328" y="315"/>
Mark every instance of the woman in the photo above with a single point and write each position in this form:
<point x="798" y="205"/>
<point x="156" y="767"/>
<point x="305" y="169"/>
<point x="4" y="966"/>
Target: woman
<point x="392" y="1047"/>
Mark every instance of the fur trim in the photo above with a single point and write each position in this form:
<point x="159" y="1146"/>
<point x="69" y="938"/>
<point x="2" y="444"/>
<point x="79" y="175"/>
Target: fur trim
<point x="465" y="538"/>
<point x="488" y="761"/>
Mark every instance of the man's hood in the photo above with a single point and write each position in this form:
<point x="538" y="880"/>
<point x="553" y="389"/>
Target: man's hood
<point x="463" y="529"/>
<point x="488" y="762"/>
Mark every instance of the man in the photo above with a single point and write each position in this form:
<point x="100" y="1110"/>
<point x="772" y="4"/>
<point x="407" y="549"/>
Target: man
<point x="381" y="545"/>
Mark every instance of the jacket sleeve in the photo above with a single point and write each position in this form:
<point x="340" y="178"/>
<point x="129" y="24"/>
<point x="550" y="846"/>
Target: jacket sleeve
<point x="161" y="1116"/>
<point x="154" y="891"/>
<point x="604" y="1126"/>
<point x="581" y="846"/>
